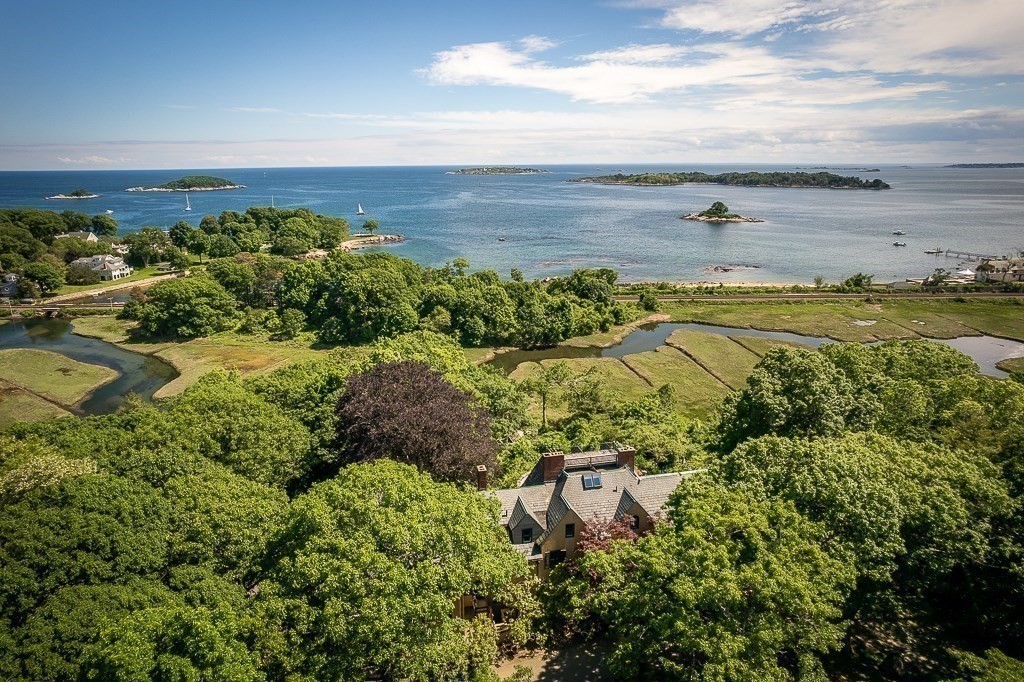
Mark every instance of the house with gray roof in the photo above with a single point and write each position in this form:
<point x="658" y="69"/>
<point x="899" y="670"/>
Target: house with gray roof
<point x="563" y="493"/>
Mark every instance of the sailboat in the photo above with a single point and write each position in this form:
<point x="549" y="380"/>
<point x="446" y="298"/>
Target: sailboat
<point x="272" y="201"/>
<point x="188" y="205"/>
<point x="359" y="209"/>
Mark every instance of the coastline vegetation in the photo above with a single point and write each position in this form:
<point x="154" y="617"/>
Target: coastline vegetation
<point x="751" y="179"/>
<point x="76" y="194"/>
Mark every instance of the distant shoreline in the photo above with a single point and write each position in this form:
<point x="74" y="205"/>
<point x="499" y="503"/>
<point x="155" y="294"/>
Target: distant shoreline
<point x="985" y="165"/>
<point x="68" y="196"/>
<point x="498" y="170"/>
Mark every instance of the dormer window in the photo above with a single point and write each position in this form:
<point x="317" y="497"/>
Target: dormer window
<point x="527" y="535"/>
<point x="591" y="481"/>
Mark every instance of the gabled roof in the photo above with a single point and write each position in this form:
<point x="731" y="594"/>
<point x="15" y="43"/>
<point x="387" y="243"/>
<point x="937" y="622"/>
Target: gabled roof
<point x="548" y="503"/>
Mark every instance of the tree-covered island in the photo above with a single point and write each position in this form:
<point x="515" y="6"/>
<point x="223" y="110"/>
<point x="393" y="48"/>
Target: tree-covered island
<point x="190" y="183"/>
<point x="497" y="170"/>
<point x="752" y="179"/>
<point x="719" y="213"/>
<point x="77" y="194"/>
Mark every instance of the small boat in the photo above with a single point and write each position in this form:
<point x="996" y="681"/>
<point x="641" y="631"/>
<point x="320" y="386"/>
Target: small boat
<point x="188" y="205"/>
<point x="501" y="239"/>
<point x="899" y="243"/>
<point x="934" y="251"/>
<point x="899" y="233"/>
<point x="272" y="201"/>
<point x="110" y="212"/>
<point x="359" y="209"/>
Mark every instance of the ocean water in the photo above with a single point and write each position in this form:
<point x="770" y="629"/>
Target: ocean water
<point x="552" y="226"/>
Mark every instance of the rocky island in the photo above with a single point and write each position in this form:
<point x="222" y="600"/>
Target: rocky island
<point x="753" y="179"/>
<point x="497" y="170"/>
<point x="77" y="194"/>
<point x="190" y="183"/>
<point x="719" y="213"/>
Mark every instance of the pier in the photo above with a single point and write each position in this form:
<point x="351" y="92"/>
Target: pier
<point x="967" y="255"/>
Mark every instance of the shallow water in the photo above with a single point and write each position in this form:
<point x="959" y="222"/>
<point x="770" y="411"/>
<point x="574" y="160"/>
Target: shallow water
<point x="987" y="351"/>
<point x="137" y="373"/>
<point x="552" y="226"/>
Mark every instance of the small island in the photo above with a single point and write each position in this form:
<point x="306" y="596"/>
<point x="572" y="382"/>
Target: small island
<point x="753" y="179"/>
<point x="719" y="213"/>
<point x="77" y="194"/>
<point x="497" y="170"/>
<point x="985" y="165"/>
<point x="191" y="183"/>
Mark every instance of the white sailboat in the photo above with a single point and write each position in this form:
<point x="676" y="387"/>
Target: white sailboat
<point x="272" y="201"/>
<point x="188" y="204"/>
<point x="359" y="209"/>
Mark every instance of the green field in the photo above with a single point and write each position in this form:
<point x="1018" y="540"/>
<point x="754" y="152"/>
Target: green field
<point x="52" y="376"/>
<point x="1012" y="365"/>
<point x="759" y="346"/>
<point x="851" y="320"/>
<point x="19" y="405"/>
<point x="727" y="360"/>
<point x="697" y="392"/>
<point x="245" y="354"/>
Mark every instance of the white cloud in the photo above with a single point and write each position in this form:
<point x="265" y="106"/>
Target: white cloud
<point x="534" y="43"/>
<point x="746" y="17"/>
<point x="93" y="160"/>
<point x="638" y="54"/>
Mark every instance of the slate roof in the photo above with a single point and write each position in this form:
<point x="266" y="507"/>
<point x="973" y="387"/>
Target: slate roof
<point x="621" y="488"/>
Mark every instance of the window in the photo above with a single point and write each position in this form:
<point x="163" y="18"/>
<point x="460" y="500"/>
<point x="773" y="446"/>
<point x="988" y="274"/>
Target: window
<point x="570" y="530"/>
<point x="591" y="481"/>
<point x="634" y="522"/>
<point x="527" y="535"/>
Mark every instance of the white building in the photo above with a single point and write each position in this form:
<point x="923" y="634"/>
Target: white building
<point x="1002" y="270"/>
<point x="107" y="267"/>
<point x="9" y="286"/>
<point x="80" y="234"/>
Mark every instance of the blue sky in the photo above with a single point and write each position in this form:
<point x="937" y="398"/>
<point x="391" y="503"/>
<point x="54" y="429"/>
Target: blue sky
<point x="230" y="84"/>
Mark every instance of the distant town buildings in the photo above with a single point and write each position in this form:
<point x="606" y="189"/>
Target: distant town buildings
<point x="107" y="267"/>
<point x="1001" y="270"/>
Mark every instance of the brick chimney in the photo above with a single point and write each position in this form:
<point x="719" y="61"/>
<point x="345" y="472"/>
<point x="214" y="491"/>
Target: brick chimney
<point x="481" y="477"/>
<point x="626" y="457"/>
<point x="552" y="464"/>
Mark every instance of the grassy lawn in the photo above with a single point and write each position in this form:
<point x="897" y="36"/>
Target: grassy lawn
<point x="246" y="354"/>
<point x="697" y="392"/>
<point x="19" y="405"/>
<point x="1011" y="365"/>
<point x="51" y="375"/>
<point x="142" y="273"/>
<point x="719" y="355"/>
<point x="760" y="346"/>
<point x="478" y="355"/>
<point x="892" y="319"/>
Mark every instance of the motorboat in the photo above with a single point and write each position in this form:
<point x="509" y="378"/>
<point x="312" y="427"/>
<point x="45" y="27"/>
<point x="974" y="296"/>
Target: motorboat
<point x="899" y="243"/>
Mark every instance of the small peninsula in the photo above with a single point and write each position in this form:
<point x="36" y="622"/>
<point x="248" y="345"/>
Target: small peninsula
<point x="191" y="183"/>
<point x="985" y="165"/>
<point x="719" y="213"/>
<point x="77" y="194"/>
<point x="497" y="170"/>
<point x="841" y="168"/>
<point x="753" y="179"/>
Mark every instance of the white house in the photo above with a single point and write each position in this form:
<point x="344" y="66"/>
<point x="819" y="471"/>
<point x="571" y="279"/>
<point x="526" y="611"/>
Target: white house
<point x="80" y="234"/>
<point x="107" y="267"/>
<point x="1002" y="270"/>
<point x="9" y="286"/>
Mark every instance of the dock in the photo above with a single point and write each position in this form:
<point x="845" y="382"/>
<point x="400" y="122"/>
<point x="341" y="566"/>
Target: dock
<point x="967" y="255"/>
